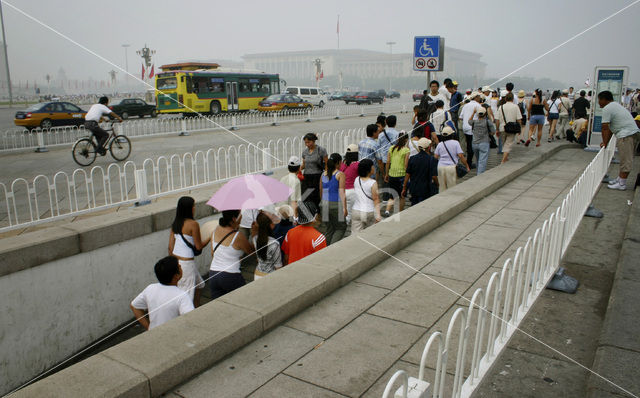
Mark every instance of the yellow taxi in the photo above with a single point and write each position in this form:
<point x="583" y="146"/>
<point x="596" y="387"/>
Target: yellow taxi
<point x="50" y="114"/>
<point x="282" y="102"/>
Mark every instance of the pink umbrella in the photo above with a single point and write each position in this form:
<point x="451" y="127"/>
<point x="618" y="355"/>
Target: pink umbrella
<point x="252" y="191"/>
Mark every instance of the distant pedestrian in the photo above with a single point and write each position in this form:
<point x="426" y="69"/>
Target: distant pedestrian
<point x="421" y="179"/>
<point x="304" y="239"/>
<point x="509" y="87"/>
<point x="536" y="112"/>
<point x="334" y="200"/>
<point x="449" y="153"/>
<point x="228" y="246"/>
<point x="293" y="182"/>
<point x="350" y="169"/>
<point x="444" y="92"/>
<point x="314" y="157"/>
<point x="469" y="112"/>
<point x="482" y="129"/>
<point x="456" y="103"/>
<point x="509" y="113"/>
<point x="185" y="243"/>
<point x="571" y="95"/>
<point x="554" y="114"/>
<point x="434" y="93"/>
<point x="397" y="162"/>
<point x="424" y="101"/>
<point x="388" y="136"/>
<point x="161" y="302"/>
<point x="267" y="247"/>
<point x="368" y="148"/>
<point x="581" y="107"/>
<point x="563" y="121"/>
<point x="522" y="105"/>
<point x="617" y="120"/>
<point x="366" y="209"/>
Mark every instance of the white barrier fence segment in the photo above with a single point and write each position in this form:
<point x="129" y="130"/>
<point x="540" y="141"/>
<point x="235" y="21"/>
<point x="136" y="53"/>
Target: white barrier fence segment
<point x="19" y="138"/>
<point x="24" y="203"/>
<point x="507" y="298"/>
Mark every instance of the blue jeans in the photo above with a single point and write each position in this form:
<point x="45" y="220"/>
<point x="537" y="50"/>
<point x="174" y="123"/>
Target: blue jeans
<point x="481" y="151"/>
<point x="499" y="144"/>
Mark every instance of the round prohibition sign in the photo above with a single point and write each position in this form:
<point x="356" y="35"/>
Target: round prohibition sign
<point x="420" y="63"/>
<point x="432" y="63"/>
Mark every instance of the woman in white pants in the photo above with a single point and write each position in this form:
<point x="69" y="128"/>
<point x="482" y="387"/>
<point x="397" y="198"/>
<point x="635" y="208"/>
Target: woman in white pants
<point x="446" y="153"/>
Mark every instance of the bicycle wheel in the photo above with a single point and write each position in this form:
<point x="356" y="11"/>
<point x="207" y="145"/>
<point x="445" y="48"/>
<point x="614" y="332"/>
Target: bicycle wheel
<point x="120" y="147"/>
<point x="84" y="152"/>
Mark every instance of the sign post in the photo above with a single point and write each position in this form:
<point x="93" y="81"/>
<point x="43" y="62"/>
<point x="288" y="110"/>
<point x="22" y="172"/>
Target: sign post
<point x="428" y="55"/>
<point x="606" y="78"/>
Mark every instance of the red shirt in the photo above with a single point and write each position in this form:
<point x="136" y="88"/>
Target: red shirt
<point x="350" y="173"/>
<point x="302" y="241"/>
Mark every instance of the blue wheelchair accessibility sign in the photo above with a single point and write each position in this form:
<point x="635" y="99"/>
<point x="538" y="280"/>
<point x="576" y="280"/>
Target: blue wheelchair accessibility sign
<point x="426" y="47"/>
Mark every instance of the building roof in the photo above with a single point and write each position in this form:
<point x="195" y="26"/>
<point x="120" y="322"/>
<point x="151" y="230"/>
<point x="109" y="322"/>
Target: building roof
<point x="355" y="54"/>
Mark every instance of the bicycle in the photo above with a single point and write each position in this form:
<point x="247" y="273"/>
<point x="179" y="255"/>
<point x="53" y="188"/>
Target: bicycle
<point x="85" y="149"/>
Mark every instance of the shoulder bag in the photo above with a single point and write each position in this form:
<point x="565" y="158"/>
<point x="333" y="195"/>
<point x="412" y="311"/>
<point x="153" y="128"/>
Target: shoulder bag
<point x="461" y="171"/>
<point x="510" y="127"/>
<point x="196" y="252"/>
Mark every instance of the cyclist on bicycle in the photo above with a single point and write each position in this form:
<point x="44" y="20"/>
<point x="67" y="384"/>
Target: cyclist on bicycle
<point x="93" y="117"/>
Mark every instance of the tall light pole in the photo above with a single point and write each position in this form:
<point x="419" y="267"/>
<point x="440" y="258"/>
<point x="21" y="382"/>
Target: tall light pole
<point x="6" y="58"/>
<point x="390" y="44"/>
<point x="126" y="64"/>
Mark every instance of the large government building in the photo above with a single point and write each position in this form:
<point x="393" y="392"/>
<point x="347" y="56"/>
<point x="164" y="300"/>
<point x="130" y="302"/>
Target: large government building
<point x="364" y="63"/>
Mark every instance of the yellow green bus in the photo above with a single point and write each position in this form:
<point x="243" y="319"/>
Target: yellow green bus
<point x="180" y="90"/>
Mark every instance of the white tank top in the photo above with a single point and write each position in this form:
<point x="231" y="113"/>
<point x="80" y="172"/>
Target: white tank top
<point x="364" y="198"/>
<point x="180" y="248"/>
<point x="226" y="258"/>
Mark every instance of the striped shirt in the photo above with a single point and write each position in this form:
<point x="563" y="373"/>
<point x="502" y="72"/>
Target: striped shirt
<point x="370" y="149"/>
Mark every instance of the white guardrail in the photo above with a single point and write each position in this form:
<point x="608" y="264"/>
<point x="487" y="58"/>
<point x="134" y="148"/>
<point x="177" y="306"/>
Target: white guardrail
<point x="25" y="203"/>
<point x="505" y="301"/>
<point x="20" y="138"/>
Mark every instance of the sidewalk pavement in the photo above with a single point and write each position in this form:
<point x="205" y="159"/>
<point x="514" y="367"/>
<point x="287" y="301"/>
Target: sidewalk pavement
<point x="351" y="342"/>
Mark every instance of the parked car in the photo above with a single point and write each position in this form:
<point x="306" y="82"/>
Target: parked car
<point x="338" y="95"/>
<point x="349" y="97"/>
<point x="280" y="102"/>
<point x="393" y="94"/>
<point x="133" y="107"/>
<point x="368" y="97"/>
<point x="417" y="97"/>
<point x="313" y="95"/>
<point x="50" y="114"/>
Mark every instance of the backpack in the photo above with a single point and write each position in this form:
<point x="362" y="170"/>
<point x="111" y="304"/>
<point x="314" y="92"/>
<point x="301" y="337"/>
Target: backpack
<point x="448" y="122"/>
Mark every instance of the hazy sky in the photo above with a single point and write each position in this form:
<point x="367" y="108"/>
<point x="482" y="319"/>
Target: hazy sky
<point x="508" y="33"/>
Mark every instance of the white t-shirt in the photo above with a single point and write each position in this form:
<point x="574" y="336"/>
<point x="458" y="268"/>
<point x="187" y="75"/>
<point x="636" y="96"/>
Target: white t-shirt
<point x="466" y="113"/>
<point x="553" y="105"/>
<point x="164" y="302"/>
<point x="447" y="96"/>
<point x="96" y="112"/>
<point x="293" y="182"/>
<point x="363" y="193"/>
<point x="437" y="97"/>
<point x="443" y="156"/>
<point x="413" y="147"/>
<point x="437" y="118"/>
<point x="248" y="217"/>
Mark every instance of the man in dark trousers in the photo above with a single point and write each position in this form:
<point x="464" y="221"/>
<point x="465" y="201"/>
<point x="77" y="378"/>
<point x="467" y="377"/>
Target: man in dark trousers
<point x="422" y="174"/>
<point x="580" y="107"/>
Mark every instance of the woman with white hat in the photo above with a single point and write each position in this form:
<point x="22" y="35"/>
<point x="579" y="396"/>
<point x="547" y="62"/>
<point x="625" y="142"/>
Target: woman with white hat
<point x="449" y="153"/>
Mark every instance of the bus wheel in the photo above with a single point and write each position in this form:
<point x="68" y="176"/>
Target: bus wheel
<point x="215" y="107"/>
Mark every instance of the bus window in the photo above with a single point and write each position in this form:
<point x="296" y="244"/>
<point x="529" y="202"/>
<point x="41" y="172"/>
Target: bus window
<point x="275" y="87"/>
<point x="244" y="86"/>
<point x="168" y="83"/>
<point x="189" y="84"/>
<point x="200" y="84"/>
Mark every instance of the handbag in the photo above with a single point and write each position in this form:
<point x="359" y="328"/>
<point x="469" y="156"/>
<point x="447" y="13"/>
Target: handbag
<point x="461" y="170"/>
<point x="196" y="252"/>
<point x="510" y="127"/>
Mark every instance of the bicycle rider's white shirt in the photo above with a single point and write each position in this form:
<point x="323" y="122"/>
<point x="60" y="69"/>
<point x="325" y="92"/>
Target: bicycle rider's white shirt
<point x="96" y="112"/>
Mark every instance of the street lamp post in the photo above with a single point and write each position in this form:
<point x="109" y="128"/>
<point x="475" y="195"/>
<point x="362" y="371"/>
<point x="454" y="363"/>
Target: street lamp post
<point x="390" y="44"/>
<point x="6" y="58"/>
<point x="126" y="64"/>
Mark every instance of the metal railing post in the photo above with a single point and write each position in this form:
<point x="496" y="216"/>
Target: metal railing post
<point x="41" y="148"/>
<point x="234" y="123"/>
<point x="142" y="195"/>
<point x="183" y="128"/>
<point x="266" y="161"/>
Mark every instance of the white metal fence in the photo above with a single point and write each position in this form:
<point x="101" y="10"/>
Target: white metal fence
<point x="19" y="138"/>
<point x="484" y="327"/>
<point x="46" y="198"/>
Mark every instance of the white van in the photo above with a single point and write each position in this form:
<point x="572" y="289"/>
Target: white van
<point x="312" y="95"/>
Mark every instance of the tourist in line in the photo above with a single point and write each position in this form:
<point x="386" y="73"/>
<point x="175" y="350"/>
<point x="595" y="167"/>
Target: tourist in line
<point x="161" y="302"/>
<point x="536" y="112"/>
<point x="397" y="161"/>
<point x="334" y="200"/>
<point x="554" y="114"/>
<point x="449" y="153"/>
<point x="350" y="169"/>
<point x="522" y="105"/>
<point x="293" y="182"/>
<point x="368" y="148"/>
<point x="304" y="239"/>
<point x="228" y="246"/>
<point x="563" y="121"/>
<point x="618" y="120"/>
<point x="366" y="208"/>
<point x="481" y="128"/>
<point x="422" y="174"/>
<point x="267" y="247"/>
<point x="185" y="244"/>
<point x="455" y="104"/>
<point x="469" y="112"/>
<point x="508" y="113"/>
<point x="314" y="157"/>
<point x="580" y="108"/>
<point x="444" y="92"/>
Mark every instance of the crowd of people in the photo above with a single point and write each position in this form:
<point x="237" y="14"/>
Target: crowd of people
<point x="333" y="195"/>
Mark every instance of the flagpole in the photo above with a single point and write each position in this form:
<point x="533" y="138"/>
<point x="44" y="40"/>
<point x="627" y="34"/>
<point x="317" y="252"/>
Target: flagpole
<point x="338" y="31"/>
<point x="6" y="58"/>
